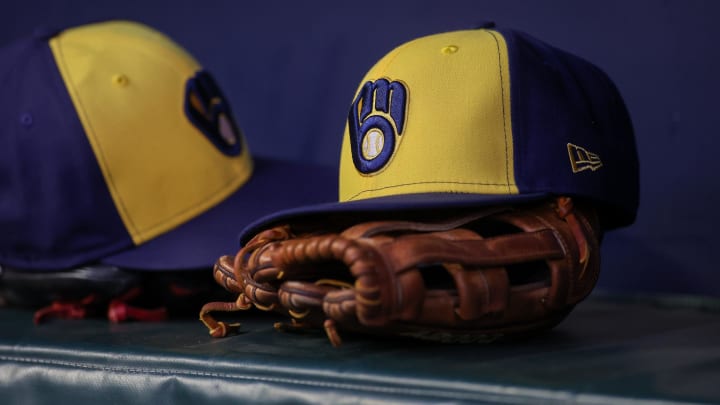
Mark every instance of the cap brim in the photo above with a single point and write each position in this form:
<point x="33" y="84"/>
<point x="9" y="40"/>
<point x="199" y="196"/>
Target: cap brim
<point x="407" y="204"/>
<point x="274" y="186"/>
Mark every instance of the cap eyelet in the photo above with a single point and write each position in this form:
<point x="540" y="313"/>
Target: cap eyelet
<point x="120" y="80"/>
<point x="449" y="50"/>
<point x="26" y="119"/>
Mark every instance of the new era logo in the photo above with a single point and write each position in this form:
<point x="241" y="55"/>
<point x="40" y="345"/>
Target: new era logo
<point x="582" y="159"/>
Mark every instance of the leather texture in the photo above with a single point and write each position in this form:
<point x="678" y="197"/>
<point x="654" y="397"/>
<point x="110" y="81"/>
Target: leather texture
<point x="488" y="273"/>
<point x="609" y="350"/>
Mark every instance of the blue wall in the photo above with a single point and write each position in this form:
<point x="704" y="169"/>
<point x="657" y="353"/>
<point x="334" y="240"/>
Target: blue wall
<point x="290" y="69"/>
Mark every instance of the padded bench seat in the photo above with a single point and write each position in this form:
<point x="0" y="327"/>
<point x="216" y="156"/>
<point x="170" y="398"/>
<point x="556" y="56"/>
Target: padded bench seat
<point x="611" y="349"/>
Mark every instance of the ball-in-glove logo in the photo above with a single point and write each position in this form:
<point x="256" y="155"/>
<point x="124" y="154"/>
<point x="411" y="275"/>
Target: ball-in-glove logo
<point x="209" y="111"/>
<point x="376" y="122"/>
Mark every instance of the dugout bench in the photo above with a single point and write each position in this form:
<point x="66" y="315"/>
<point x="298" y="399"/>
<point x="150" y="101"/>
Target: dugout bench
<point x="611" y="349"/>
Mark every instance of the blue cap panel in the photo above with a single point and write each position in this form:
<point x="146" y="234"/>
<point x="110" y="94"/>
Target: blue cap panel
<point x="559" y="99"/>
<point x="55" y="209"/>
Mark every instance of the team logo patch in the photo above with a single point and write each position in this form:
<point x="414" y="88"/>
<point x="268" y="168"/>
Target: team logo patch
<point x="376" y="123"/>
<point x="209" y="111"/>
<point x="582" y="159"/>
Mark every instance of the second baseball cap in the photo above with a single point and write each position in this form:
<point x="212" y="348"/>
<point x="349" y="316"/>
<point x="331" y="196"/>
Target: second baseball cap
<point x="479" y="117"/>
<point x="118" y="147"/>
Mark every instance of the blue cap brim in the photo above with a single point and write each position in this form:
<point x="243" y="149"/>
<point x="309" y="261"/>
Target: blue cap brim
<point x="405" y="204"/>
<point x="275" y="185"/>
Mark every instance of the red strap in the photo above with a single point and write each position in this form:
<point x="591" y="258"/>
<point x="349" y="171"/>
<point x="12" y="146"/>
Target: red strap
<point x="120" y="310"/>
<point x="65" y="310"/>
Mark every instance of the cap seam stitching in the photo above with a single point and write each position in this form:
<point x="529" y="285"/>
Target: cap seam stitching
<point x="141" y="233"/>
<point x="502" y="90"/>
<point x="195" y="206"/>
<point x="95" y="138"/>
<point x="427" y="182"/>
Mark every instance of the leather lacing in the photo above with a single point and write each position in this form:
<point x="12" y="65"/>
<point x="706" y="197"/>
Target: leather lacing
<point x="324" y="248"/>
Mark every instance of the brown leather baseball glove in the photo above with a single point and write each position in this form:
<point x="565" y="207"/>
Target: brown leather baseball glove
<point x="467" y="276"/>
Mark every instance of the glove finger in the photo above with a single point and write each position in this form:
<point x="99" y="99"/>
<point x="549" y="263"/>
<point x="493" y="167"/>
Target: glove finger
<point x="303" y="298"/>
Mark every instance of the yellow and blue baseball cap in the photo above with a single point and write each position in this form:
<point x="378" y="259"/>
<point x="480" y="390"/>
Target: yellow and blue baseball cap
<point x="479" y="117"/>
<point x="118" y="147"/>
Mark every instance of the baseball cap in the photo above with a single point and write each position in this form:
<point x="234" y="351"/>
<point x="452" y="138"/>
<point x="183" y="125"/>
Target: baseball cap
<point x="479" y="117"/>
<point x="118" y="147"/>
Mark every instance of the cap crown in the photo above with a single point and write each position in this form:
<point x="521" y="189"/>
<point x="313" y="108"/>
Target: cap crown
<point x="113" y="139"/>
<point x="490" y="112"/>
